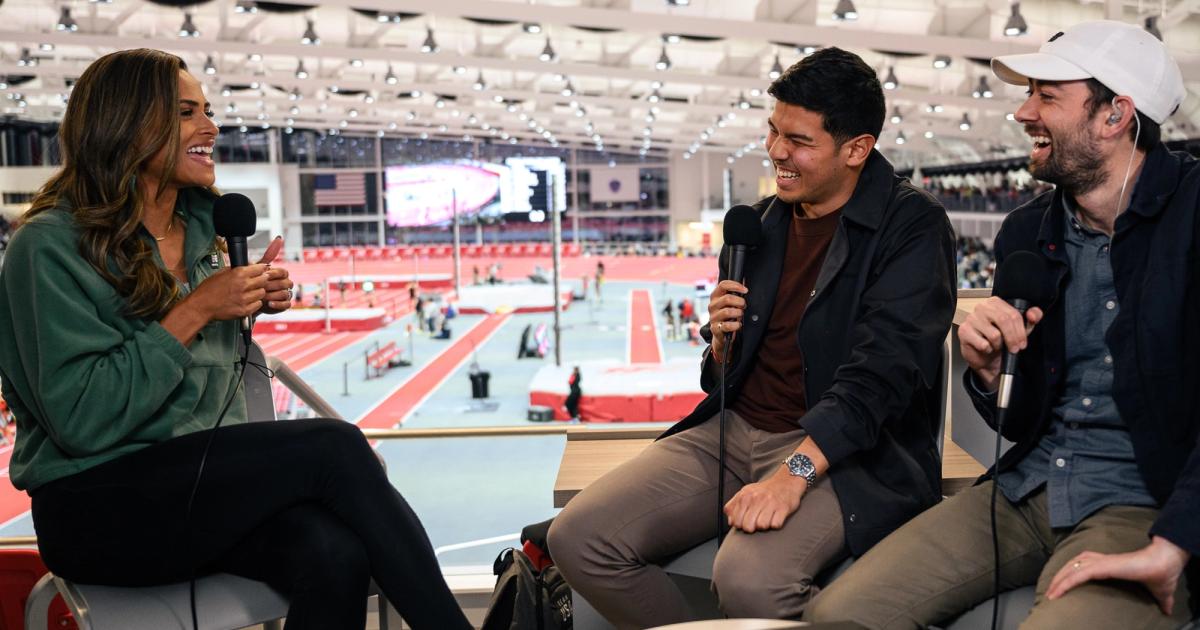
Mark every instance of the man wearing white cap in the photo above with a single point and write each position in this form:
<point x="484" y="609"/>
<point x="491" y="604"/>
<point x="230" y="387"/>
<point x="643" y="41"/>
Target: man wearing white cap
<point x="1099" y="498"/>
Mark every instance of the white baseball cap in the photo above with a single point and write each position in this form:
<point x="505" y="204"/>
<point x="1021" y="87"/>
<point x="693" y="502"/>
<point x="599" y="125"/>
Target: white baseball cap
<point x="1123" y="57"/>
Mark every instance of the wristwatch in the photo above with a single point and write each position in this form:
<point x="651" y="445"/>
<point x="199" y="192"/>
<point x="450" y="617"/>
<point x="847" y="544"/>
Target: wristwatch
<point x="799" y="465"/>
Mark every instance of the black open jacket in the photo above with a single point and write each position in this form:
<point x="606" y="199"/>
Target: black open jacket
<point x="1154" y="340"/>
<point x="872" y="339"/>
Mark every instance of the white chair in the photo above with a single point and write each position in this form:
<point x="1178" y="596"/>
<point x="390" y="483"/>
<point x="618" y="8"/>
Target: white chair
<point x="223" y="601"/>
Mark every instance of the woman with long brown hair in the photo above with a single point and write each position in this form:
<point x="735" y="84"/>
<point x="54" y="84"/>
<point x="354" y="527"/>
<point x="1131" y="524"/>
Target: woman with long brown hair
<point x="119" y="355"/>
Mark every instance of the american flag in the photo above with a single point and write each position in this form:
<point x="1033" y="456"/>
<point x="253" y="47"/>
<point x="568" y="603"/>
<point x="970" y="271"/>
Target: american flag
<point x="342" y="189"/>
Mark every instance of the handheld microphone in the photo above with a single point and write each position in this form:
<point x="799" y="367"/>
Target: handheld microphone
<point x="1022" y="280"/>
<point x="742" y="230"/>
<point x="234" y="219"/>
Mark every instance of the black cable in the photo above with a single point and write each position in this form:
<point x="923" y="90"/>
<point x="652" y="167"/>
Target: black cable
<point x="721" y="452"/>
<point x="235" y="384"/>
<point x="1001" y="412"/>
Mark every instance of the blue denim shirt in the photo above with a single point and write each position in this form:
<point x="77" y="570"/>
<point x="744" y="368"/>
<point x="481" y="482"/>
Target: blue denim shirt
<point x="1086" y="460"/>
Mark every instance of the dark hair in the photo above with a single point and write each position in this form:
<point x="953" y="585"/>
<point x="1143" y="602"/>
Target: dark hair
<point x="124" y="110"/>
<point x="1100" y="96"/>
<point x="840" y="87"/>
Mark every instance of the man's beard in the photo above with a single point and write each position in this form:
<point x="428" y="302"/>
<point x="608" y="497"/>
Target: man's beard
<point x="1075" y="164"/>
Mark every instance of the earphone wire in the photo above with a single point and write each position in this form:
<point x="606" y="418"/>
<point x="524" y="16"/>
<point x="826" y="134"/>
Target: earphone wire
<point x="1137" y="135"/>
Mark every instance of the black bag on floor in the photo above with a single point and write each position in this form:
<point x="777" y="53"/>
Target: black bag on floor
<point x="525" y="598"/>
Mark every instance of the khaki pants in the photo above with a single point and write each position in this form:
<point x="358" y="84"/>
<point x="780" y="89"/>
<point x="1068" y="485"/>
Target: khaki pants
<point x="610" y="538"/>
<point x="939" y="565"/>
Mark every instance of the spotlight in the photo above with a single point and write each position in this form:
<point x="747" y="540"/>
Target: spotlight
<point x="188" y="29"/>
<point x="654" y="97"/>
<point x="776" y="69"/>
<point x="390" y="77"/>
<point x="928" y="135"/>
<point x="479" y="84"/>
<point x="548" y="53"/>
<point x="845" y="11"/>
<point x="965" y="123"/>
<point x="310" y="35"/>
<point x="896" y="117"/>
<point x="941" y="62"/>
<point x="890" y="82"/>
<point x="301" y="73"/>
<point x="210" y="68"/>
<point x="1152" y="27"/>
<point x="66" y="22"/>
<point x="245" y="6"/>
<point x="532" y="28"/>
<point x="982" y="90"/>
<point x="430" y="44"/>
<point x="356" y="63"/>
<point x="1015" y="26"/>
<point x="900" y="139"/>
<point x="664" y="61"/>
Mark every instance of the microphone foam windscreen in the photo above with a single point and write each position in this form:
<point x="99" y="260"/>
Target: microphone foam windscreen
<point x="742" y="227"/>
<point x="1027" y="276"/>
<point x="233" y="215"/>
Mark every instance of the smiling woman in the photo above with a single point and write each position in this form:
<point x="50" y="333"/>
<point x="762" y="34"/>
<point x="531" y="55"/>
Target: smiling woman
<point x="119" y="357"/>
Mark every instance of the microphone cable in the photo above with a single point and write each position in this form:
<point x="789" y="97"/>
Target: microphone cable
<point x="721" y="449"/>
<point x="1001" y="412"/>
<point x="235" y="385"/>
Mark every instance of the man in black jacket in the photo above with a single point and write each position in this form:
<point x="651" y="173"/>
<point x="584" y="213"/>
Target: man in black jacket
<point x="1101" y="490"/>
<point x="835" y="342"/>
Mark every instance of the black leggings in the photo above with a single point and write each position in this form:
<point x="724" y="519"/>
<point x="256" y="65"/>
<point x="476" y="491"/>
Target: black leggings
<point x="302" y="505"/>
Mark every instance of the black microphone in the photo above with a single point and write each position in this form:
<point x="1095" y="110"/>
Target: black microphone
<point x="742" y="231"/>
<point x="234" y="219"/>
<point x="1024" y="280"/>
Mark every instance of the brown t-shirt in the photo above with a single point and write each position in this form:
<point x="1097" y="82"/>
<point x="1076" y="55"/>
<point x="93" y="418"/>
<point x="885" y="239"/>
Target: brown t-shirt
<point x="773" y="396"/>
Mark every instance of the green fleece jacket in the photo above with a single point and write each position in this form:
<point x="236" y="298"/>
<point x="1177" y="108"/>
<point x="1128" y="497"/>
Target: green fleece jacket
<point x="85" y="382"/>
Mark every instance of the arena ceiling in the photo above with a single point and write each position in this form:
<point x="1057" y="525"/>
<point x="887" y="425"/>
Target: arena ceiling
<point x="628" y="75"/>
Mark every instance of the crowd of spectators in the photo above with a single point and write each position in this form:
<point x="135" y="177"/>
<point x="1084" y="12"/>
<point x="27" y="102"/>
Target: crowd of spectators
<point x="971" y="198"/>
<point x="976" y="263"/>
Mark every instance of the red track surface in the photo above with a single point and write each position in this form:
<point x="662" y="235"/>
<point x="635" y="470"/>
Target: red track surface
<point x="635" y="268"/>
<point x="643" y="334"/>
<point x="396" y="407"/>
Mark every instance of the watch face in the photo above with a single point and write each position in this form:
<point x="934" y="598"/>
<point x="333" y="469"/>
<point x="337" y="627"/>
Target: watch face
<point x="800" y="465"/>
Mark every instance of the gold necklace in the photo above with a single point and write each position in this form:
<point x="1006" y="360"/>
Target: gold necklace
<point x="168" y="232"/>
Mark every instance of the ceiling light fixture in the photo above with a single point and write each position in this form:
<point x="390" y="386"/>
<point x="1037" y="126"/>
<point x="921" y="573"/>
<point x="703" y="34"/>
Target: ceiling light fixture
<point x="1015" y="26"/>
<point x="900" y="139"/>
<point x="548" y="53"/>
<point x="776" y="69"/>
<point x="845" y="11"/>
<point x="188" y="28"/>
<point x="982" y="90"/>
<point x="941" y="62"/>
<point x="896" y="117"/>
<point x="664" y="62"/>
<point x="210" y="67"/>
<point x="356" y="63"/>
<point x="390" y="77"/>
<point x="66" y="22"/>
<point x="430" y="44"/>
<point x="301" y="73"/>
<point x="965" y="123"/>
<point x="245" y="6"/>
<point x="890" y="82"/>
<point x="310" y="35"/>
<point x="479" y="84"/>
<point x="532" y="28"/>
<point x="1151" y="26"/>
